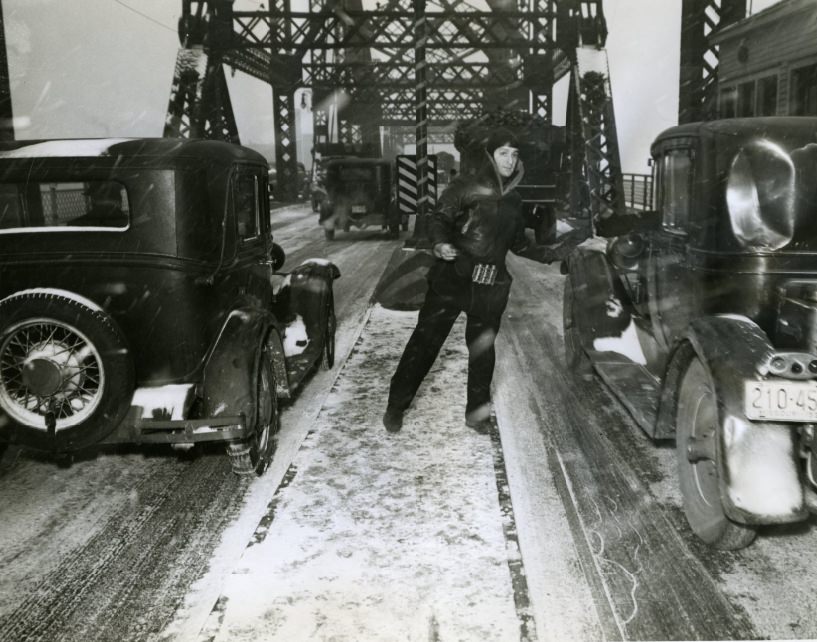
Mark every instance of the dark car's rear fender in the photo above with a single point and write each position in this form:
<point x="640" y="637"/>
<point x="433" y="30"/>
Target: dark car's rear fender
<point x="748" y="453"/>
<point x="310" y="288"/>
<point x="229" y="374"/>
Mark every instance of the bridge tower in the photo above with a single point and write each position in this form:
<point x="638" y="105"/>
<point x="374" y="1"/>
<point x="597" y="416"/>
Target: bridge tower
<point x="700" y="19"/>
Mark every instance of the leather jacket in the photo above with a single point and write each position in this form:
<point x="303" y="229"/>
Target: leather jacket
<point x="482" y="217"/>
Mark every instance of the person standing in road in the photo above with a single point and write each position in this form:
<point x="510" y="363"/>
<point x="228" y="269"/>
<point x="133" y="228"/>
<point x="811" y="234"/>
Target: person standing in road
<point x="477" y="220"/>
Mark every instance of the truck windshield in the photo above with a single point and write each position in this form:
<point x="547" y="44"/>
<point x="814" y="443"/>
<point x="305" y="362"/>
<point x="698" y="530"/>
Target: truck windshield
<point x="356" y="174"/>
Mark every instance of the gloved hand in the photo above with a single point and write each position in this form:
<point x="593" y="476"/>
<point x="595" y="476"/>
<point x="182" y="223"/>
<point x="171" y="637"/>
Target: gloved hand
<point x="445" y="251"/>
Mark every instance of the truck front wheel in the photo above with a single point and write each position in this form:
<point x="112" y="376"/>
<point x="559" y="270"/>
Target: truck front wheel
<point x="329" y="334"/>
<point x="697" y="428"/>
<point x="575" y="356"/>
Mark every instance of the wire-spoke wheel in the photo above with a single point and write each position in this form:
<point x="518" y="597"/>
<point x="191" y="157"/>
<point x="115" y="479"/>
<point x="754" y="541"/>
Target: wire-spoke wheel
<point x="49" y="368"/>
<point x="696" y="432"/>
<point x="252" y="455"/>
<point x="64" y="368"/>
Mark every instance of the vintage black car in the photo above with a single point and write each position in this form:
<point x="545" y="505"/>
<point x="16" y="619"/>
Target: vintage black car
<point x="358" y="193"/>
<point x="702" y="319"/>
<point x="139" y="298"/>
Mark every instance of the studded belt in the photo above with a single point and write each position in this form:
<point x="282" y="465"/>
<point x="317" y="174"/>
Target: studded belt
<point x="484" y="274"/>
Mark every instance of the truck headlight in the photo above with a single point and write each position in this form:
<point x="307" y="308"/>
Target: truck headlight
<point x="760" y="196"/>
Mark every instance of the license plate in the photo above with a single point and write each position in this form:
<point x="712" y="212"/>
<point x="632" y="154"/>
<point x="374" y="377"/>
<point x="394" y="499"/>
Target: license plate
<point x="358" y="209"/>
<point x="781" y="400"/>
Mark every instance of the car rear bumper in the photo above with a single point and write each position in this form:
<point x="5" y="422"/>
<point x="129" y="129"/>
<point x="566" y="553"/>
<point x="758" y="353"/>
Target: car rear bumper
<point x="180" y="431"/>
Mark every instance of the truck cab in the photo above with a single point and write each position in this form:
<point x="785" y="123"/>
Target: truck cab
<point x="702" y="319"/>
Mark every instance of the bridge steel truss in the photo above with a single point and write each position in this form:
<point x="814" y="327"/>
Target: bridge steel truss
<point x="700" y="19"/>
<point x="427" y="64"/>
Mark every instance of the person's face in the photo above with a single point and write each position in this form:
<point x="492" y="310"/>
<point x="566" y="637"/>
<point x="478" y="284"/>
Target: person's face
<point x="505" y="158"/>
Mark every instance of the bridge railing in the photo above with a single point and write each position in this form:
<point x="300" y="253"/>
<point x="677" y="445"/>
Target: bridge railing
<point x="638" y="191"/>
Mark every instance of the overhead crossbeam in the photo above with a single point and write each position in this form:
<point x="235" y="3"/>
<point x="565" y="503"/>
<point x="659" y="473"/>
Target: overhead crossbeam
<point x="392" y="30"/>
<point x="398" y="75"/>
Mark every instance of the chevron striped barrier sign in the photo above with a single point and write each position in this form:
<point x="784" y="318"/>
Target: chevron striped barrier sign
<point x="407" y="183"/>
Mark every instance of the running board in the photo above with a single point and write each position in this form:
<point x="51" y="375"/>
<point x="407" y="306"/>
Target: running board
<point x="633" y="386"/>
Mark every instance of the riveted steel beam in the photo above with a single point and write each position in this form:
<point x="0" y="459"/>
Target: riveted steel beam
<point x="199" y="105"/>
<point x="701" y="19"/>
<point x="392" y="29"/>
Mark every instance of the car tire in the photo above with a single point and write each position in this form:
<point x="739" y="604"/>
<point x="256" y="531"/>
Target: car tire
<point x="62" y="358"/>
<point x="328" y="360"/>
<point x="697" y="416"/>
<point x="576" y="358"/>
<point x="252" y="455"/>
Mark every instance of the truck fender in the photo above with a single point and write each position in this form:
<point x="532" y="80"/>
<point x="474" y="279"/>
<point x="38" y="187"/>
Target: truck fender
<point x="757" y="461"/>
<point x="229" y="373"/>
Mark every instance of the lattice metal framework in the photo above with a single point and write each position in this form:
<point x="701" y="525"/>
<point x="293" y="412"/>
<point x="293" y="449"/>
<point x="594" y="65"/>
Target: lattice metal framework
<point x="698" y="88"/>
<point x="470" y="61"/>
<point x="471" y="55"/>
<point x="199" y="105"/>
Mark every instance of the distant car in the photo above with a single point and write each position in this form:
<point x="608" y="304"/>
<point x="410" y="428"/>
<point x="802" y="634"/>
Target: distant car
<point x="140" y="302"/>
<point x="358" y="193"/>
<point x="702" y="319"/>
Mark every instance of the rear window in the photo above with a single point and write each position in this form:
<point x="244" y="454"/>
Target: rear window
<point x="63" y="205"/>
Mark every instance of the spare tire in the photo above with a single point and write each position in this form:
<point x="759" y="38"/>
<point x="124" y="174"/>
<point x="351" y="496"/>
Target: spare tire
<point x="66" y="375"/>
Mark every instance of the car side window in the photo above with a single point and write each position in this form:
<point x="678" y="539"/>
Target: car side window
<point x="246" y="194"/>
<point x="676" y="189"/>
<point x="64" y="205"/>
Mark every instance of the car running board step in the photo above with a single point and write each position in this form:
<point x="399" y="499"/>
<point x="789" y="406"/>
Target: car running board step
<point x="635" y="388"/>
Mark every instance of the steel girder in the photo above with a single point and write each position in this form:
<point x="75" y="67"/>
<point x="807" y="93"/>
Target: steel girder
<point x="283" y="74"/>
<point x="700" y="19"/>
<point x="392" y="29"/>
<point x="596" y="190"/>
<point x="199" y="105"/>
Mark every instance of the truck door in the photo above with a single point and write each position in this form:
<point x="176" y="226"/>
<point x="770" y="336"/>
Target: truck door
<point x="669" y="280"/>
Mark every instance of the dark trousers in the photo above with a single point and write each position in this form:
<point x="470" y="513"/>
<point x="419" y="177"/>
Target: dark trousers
<point x="445" y="300"/>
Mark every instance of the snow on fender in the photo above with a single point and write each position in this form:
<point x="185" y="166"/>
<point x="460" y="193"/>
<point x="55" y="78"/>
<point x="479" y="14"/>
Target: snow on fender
<point x="748" y="452"/>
